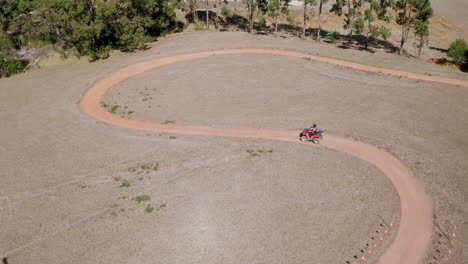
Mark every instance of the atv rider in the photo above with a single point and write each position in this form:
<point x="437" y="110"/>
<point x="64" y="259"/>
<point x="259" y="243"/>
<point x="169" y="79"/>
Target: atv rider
<point x="313" y="130"/>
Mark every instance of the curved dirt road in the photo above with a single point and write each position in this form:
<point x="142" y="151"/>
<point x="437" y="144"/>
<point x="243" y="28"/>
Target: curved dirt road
<point x="415" y="228"/>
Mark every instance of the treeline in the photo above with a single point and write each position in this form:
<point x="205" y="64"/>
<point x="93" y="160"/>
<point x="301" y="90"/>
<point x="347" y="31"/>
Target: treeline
<point x="359" y="16"/>
<point x="93" y="27"/>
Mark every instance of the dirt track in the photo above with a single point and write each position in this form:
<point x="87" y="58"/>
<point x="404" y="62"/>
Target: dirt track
<point x="416" y="222"/>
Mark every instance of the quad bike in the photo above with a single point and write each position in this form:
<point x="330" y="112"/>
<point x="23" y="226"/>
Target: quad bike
<point x="307" y="135"/>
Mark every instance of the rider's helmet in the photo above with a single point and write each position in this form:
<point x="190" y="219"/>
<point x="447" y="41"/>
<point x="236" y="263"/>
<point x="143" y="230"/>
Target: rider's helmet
<point x="314" y="125"/>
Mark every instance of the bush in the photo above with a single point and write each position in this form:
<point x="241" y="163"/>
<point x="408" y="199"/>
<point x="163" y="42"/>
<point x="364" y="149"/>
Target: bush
<point x="200" y="26"/>
<point x="101" y="53"/>
<point x="8" y="62"/>
<point x="291" y="21"/>
<point x="458" y="51"/>
<point x="261" y="22"/>
<point x="226" y="12"/>
<point x="359" y="25"/>
<point x="385" y="33"/>
<point x="9" y="66"/>
<point x="333" y="36"/>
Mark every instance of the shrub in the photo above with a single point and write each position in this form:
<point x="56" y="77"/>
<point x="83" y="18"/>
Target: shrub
<point x="226" y="12"/>
<point x="200" y="26"/>
<point x="359" y="25"/>
<point x="261" y="22"/>
<point x="8" y="62"/>
<point x="9" y="66"/>
<point x="291" y="21"/>
<point x="458" y="51"/>
<point x="385" y="33"/>
<point x="333" y="36"/>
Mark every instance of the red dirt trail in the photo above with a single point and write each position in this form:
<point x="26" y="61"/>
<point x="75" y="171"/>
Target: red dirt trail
<point x="415" y="228"/>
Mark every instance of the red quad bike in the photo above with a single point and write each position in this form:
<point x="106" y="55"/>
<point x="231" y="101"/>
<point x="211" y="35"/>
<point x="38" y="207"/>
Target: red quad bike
<point x="307" y="135"/>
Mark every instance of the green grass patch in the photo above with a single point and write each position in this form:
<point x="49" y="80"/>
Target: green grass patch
<point x="125" y="184"/>
<point x="149" y="209"/>
<point x="142" y="198"/>
<point x="200" y="26"/>
<point x="113" y="108"/>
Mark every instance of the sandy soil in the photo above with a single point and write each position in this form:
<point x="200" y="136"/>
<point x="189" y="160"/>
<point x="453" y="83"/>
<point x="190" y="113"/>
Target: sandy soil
<point x="453" y="10"/>
<point x="201" y="178"/>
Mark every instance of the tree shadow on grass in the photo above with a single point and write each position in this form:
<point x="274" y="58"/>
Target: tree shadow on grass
<point x="438" y="49"/>
<point x="240" y="23"/>
<point x="358" y="42"/>
<point x="290" y="29"/>
<point x="464" y="67"/>
<point x="234" y="22"/>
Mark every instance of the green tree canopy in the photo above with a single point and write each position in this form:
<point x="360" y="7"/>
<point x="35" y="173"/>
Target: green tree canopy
<point x="409" y="13"/>
<point x="458" y="51"/>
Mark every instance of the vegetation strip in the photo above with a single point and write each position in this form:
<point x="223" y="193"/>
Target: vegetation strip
<point x="92" y="28"/>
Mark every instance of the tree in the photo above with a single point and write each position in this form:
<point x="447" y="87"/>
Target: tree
<point x="352" y="14"/>
<point x="458" y="51"/>
<point x="275" y="8"/>
<point x="16" y="19"/>
<point x="207" y="15"/>
<point x="375" y="10"/>
<point x="130" y="24"/>
<point x="251" y="6"/>
<point x="215" y="6"/>
<point x="318" y="18"/>
<point x="193" y="5"/>
<point x="421" y="29"/>
<point x="94" y="27"/>
<point x="421" y="22"/>
<point x="53" y="18"/>
<point x="408" y="12"/>
<point x="307" y="4"/>
<point x="359" y="25"/>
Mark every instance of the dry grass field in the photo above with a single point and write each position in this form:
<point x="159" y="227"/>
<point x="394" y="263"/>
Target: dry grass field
<point x="76" y="190"/>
